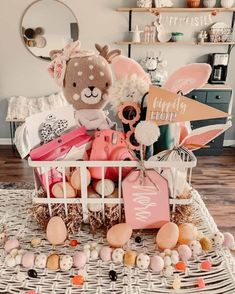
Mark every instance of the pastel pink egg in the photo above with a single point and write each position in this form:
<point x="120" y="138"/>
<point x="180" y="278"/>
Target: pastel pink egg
<point x="156" y="263"/>
<point x="119" y="235"/>
<point x="228" y="240"/>
<point x="185" y="253"/>
<point x="11" y="244"/>
<point x="79" y="259"/>
<point x="105" y="253"/>
<point x="167" y="236"/>
<point x="28" y="259"/>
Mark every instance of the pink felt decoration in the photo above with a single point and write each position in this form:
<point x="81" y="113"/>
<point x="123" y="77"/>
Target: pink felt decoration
<point x="124" y="66"/>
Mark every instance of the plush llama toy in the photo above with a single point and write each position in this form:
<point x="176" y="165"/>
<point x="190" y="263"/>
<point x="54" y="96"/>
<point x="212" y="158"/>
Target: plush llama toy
<point x="85" y="78"/>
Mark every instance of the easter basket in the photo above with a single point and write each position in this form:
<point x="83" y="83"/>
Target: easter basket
<point x="108" y="209"/>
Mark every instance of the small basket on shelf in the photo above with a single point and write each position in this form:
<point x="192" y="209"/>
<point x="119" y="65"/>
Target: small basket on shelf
<point x="220" y="35"/>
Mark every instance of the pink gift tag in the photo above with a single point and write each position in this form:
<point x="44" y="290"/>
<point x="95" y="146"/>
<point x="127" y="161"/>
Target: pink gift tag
<point x="146" y="202"/>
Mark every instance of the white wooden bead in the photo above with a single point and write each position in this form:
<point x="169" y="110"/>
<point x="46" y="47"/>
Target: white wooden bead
<point x="117" y="255"/>
<point x="142" y="261"/>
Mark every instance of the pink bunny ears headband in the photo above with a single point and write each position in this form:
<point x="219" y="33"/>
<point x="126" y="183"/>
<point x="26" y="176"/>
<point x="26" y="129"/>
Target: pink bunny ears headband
<point x="57" y="67"/>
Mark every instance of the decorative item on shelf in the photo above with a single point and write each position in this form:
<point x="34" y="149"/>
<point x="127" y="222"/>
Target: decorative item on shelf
<point x="227" y="3"/>
<point x="29" y="33"/>
<point x="177" y="36"/>
<point x="147" y="34"/>
<point x="163" y="3"/>
<point x="202" y="36"/>
<point x="196" y="21"/>
<point x="40" y="42"/>
<point x="220" y="32"/>
<point x="152" y="33"/>
<point x="193" y="3"/>
<point x="39" y="31"/>
<point x="209" y="3"/>
<point x="144" y="3"/>
<point x="136" y="35"/>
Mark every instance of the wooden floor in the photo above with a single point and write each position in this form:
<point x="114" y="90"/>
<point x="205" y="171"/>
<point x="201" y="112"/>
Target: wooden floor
<point x="214" y="178"/>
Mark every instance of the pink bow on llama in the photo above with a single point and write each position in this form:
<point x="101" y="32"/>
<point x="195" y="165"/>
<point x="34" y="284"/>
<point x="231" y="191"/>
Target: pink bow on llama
<point x="57" y="67"/>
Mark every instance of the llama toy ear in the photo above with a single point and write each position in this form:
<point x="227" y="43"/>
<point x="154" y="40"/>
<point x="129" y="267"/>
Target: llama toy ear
<point x="201" y="136"/>
<point x="124" y="66"/>
<point x="188" y="78"/>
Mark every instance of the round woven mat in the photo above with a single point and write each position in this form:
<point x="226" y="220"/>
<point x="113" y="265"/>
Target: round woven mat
<point x="14" y="205"/>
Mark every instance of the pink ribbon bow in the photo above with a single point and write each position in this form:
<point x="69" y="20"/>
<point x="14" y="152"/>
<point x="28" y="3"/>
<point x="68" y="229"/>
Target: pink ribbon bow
<point x="57" y="67"/>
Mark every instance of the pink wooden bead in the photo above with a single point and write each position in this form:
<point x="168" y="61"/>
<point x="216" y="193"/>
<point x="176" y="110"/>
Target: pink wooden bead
<point x="79" y="259"/>
<point x="105" y="253"/>
<point x="28" y="259"/>
<point x="201" y="283"/>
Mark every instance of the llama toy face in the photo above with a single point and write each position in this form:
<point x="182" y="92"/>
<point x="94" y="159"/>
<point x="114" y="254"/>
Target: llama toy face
<point x="86" y="81"/>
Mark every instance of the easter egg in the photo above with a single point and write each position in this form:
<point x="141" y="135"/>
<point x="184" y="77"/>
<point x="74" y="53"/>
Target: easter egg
<point x="56" y="231"/>
<point x="41" y="261"/>
<point x="58" y="190"/>
<point x="66" y="262"/>
<point x="119" y="235"/>
<point x="109" y="187"/>
<point x="106" y="253"/>
<point x="196" y="248"/>
<point x="76" y="179"/>
<point x="129" y="258"/>
<point x="79" y="259"/>
<point x="142" y="261"/>
<point x="185" y="252"/>
<point x="93" y="207"/>
<point x="206" y="244"/>
<point x="167" y="236"/>
<point x="11" y="244"/>
<point x="53" y="262"/>
<point x="28" y="259"/>
<point x="187" y="233"/>
<point x="217" y="238"/>
<point x="228" y="240"/>
<point x="117" y="255"/>
<point x="156" y="263"/>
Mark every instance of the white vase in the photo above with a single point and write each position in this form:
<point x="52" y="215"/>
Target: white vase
<point x="227" y="3"/>
<point x="209" y="3"/>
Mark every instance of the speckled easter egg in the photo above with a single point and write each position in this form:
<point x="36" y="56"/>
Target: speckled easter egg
<point x="79" y="259"/>
<point x="228" y="240"/>
<point x="58" y="190"/>
<point x="167" y="236"/>
<point x="11" y="244"/>
<point x="106" y="253"/>
<point x="156" y="263"/>
<point x="185" y="252"/>
<point x="119" y="235"/>
<point x="41" y="261"/>
<point x="187" y="233"/>
<point x="56" y="231"/>
<point x="76" y="179"/>
<point x="66" y="262"/>
<point x="28" y="259"/>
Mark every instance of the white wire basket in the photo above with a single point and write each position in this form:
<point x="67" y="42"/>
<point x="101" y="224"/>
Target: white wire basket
<point x="185" y="162"/>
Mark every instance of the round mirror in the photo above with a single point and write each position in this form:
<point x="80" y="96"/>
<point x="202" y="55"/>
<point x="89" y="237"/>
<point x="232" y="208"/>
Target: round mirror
<point x="47" y="25"/>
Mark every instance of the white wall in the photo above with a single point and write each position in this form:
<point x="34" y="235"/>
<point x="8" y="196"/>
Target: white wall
<point x="23" y="74"/>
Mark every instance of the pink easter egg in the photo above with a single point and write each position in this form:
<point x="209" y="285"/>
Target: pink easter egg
<point x="28" y="259"/>
<point x="156" y="263"/>
<point x="11" y="244"/>
<point x="119" y="235"/>
<point x="185" y="253"/>
<point x="228" y="240"/>
<point x="105" y="253"/>
<point x="79" y="259"/>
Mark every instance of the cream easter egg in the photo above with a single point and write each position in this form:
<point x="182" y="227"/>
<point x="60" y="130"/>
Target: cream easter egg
<point x="59" y="188"/>
<point x="107" y="184"/>
<point x="76" y="179"/>
<point x="119" y="235"/>
<point x="187" y="233"/>
<point x="167" y="236"/>
<point x="56" y="231"/>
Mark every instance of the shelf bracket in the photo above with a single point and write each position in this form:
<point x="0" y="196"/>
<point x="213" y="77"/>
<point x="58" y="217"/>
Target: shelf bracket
<point x="130" y="29"/>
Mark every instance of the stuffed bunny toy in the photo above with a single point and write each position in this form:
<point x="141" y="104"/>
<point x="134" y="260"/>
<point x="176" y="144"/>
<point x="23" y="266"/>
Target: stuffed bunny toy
<point x="85" y="78"/>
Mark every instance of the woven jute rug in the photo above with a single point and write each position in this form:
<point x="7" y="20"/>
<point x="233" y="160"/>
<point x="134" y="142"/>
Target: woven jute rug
<point x="13" y="212"/>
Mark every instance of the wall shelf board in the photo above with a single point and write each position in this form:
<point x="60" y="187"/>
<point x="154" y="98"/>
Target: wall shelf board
<point x="175" y="43"/>
<point x="175" y="9"/>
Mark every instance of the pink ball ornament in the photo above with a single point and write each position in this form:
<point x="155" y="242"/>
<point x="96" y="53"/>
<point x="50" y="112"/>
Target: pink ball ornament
<point x="185" y="253"/>
<point x="228" y="240"/>
<point x="28" y="259"/>
<point x="156" y="263"/>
